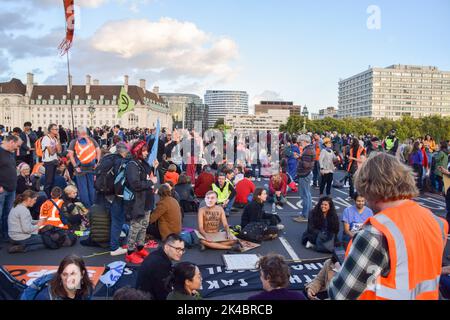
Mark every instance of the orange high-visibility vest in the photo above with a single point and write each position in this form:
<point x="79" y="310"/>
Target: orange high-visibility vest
<point x="416" y="240"/>
<point x="317" y="151"/>
<point x="51" y="214"/>
<point x="358" y="156"/>
<point x="85" y="153"/>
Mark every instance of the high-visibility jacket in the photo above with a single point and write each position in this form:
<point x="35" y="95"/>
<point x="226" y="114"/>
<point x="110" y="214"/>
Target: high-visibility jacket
<point x="416" y="240"/>
<point x="390" y="143"/>
<point x="358" y="156"/>
<point x="224" y="194"/>
<point x="317" y="151"/>
<point x="51" y="213"/>
<point x="85" y="153"/>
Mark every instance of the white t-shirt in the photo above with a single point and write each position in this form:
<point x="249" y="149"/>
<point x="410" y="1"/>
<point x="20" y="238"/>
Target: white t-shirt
<point x="49" y="142"/>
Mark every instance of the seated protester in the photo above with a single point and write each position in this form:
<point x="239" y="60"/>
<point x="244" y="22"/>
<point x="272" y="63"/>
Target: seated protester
<point x="203" y="182"/>
<point x="171" y="174"/>
<point x="70" y="282"/>
<point x="226" y="194"/>
<point x="51" y="212"/>
<point x="187" y="196"/>
<point x="274" y="275"/>
<point x="254" y="213"/>
<point x="239" y="174"/>
<point x="60" y="181"/>
<point x="318" y="288"/>
<point x="244" y="191"/>
<point x="22" y="229"/>
<point x="184" y="282"/>
<point x="166" y="218"/>
<point x="75" y="211"/>
<point x="277" y="190"/>
<point x="290" y="183"/>
<point x="323" y="227"/>
<point x="230" y="176"/>
<point x="158" y="266"/>
<point x="354" y="217"/>
<point x="24" y="181"/>
<point x="210" y="218"/>
<point x="173" y="192"/>
<point x="65" y="171"/>
<point x="130" y="294"/>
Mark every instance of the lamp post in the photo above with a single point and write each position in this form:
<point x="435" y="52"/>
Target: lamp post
<point x="305" y="114"/>
<point x="91" y="110"/>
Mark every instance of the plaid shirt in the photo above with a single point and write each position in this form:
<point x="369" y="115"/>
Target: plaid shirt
<point x="368" y="259"/>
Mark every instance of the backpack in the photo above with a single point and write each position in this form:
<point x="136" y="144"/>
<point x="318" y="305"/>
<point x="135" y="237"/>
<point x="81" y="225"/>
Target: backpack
<point x="119" y="180"/>
<point x="39" y="284"/>
<point x="105" y="176"/>
<point x="254" y="232"/>
<point x="38" y="147"/>
<point x="10" y="287"/>
<point x="55" y="238"/>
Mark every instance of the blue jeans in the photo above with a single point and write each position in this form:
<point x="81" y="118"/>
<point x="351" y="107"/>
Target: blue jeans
<point x="6" y="204"/>
<point x="304" y="187"/>
<point x="316" y="173"/>
<point x="444" y="286"/>
<point x="86" y="190"/>
<point x="254" y="174"/>
<point x="117" y="222"/>
<point x="32" y="243"/>
<point x="230" y="206"/>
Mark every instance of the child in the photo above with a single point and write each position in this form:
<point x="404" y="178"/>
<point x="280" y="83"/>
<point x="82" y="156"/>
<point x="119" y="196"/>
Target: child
<point x="76" y="212"/>
<point x="171" y="174"/>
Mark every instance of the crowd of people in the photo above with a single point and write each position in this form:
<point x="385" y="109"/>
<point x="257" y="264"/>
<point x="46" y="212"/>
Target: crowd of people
<point x="126" y="189"/>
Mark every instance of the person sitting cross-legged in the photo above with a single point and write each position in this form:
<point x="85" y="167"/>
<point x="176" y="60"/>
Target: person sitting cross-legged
<point x="209" y="220"/>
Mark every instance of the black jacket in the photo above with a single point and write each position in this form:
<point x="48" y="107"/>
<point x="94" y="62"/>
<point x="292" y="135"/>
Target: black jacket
<point x="186" y="192"/>
<point x="8" y="173"/>
<point x="254" y="212"/>
<point x="136" y="180"/>
<point x="153" y="273"/>
<point x="24" y="148"/>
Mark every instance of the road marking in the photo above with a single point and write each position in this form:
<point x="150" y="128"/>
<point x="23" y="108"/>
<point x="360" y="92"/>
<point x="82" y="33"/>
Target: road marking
<point x="291" y="205"/>
<point x="341" y="191"/>
<point x="289" y="249"/>
<point x="441" y="203"/>
<point x="342" y="202"/>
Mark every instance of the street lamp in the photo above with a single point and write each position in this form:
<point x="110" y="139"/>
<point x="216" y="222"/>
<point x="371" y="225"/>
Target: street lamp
<point x="91" y="110"/>
<point x="305" y="114"/>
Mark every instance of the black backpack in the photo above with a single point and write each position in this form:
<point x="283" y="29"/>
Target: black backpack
<point x="105" y="175"/>
<point x="10" y="287"/>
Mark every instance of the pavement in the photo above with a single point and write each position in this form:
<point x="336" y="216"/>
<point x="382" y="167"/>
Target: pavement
<point x="288" y="244"/>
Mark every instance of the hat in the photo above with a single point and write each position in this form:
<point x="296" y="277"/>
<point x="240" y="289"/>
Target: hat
<point x="375" y="139"/>
<point x="326" y="140"/>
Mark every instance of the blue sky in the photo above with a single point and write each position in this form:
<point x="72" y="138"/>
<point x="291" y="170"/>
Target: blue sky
<point x="292" y="50"/>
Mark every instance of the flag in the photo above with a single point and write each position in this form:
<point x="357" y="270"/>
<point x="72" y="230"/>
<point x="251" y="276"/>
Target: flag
<point x="154" y="152"/>
<point x="69" y="12"/>
<point x="126" y="104"/>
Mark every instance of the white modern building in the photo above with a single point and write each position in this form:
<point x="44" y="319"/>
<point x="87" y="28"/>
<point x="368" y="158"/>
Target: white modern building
<point x="272" y="120"/>
<point x="93" y="105"/>
<point x="395" y="91"/>
<point x="222" y="103"/>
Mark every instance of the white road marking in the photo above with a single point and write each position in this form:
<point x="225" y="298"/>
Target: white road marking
<point x="440" y="203"/>
<point x="289" y="249"/>
<point x="341" y="191"/>
<point x="291" y="205"/>
<point x="342" y="202"/>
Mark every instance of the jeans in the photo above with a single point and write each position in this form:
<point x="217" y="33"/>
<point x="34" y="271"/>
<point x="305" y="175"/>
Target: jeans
<point x="304" y="188"/>
<point x="6" y="204"/>
<point x="327" y="179"/>
<point x="230" y="206"/>
<point x="351" y="190"/>
<point x="50" y="172"/>
<point x="272" y="198"/>
<point x="444" y="286"/>
<point x="86" y="190"/>
<point x="117" y="222"/>
<point x="418" y="169"/>
<point x="32" y="243"/>
<point x="254" y="174"/>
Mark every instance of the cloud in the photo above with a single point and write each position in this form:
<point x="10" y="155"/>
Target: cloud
<point x="14" y="21"/>
<point x="266" y="96"/>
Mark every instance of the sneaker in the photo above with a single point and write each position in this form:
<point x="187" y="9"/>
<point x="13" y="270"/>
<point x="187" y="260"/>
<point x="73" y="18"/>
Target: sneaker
<point x="119" y="252"/>
<point x="134" y="258"/>
<point x="300" y="219"/>
<point x="309" y="245"/>
<point x="16" y="249"/>
<point x="143" y="253"/>
<point x="280" y="227"/>
<point x="123" y="234"/>
<point x="152" y="244"/>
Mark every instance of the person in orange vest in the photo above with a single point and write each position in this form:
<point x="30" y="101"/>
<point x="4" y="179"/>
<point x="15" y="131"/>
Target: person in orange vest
<point x="84" y="154"/>
<point x="398" y="253"/>
<point x="51" y="211"/>
<point x="356" y="156"/>
<point x="316" y="172"/>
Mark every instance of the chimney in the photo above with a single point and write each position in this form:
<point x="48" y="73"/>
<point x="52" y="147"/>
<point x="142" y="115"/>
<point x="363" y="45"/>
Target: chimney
<point x="125" y="78"/>
<point x="88" y="84"/>
<point x="69" y="85"/>
<point x="142" y="84"/>
<point x="96" y="82"/>
<point x="30" y="78"/>
<point x="156" y="90"/>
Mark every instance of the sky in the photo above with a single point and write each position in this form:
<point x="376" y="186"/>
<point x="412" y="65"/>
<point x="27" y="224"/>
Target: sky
<point x="290" y="50"/>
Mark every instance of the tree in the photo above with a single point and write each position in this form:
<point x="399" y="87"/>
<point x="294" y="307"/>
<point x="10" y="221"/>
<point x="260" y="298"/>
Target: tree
<point x="219" y="122"/>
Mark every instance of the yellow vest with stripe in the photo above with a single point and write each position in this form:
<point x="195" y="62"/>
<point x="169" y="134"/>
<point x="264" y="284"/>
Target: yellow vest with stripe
<point x="224" y="194"/>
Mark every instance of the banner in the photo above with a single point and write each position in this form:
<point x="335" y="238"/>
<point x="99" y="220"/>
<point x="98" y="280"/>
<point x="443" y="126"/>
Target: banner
<point x="126" y="104"/>
<point x="28" y="274"/>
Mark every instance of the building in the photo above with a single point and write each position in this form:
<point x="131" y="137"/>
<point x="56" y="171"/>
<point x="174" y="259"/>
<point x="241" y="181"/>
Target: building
<point x="194" y="113"/>
<point x="46" y="104"/>
<point x="221" y="103"/>
<point x="178" y="104"/>
<point x="265" y="106"/>
<point x="330" y="112"/>
<point x="395" y="91"/>
<point x="272" y="120"/>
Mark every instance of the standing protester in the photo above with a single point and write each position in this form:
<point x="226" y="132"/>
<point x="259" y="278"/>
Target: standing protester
<point x="8" y="179"/>
<point x="416" y="162"/>
<point x="50" y="149"/>
<point x="374" y="146"/>
<point x="356" y="157"/>
<point x="398" y="254"/>
<point x="63" y="138"/>
<point x="84" y="153"/>
<point x="304" y="173"/>
<point x="316" y="170"/>
<point x="441" y="161"/>
<point x="26" y="152"/>
<point x="391" y="143"/>
<point x="326" y="161"/>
